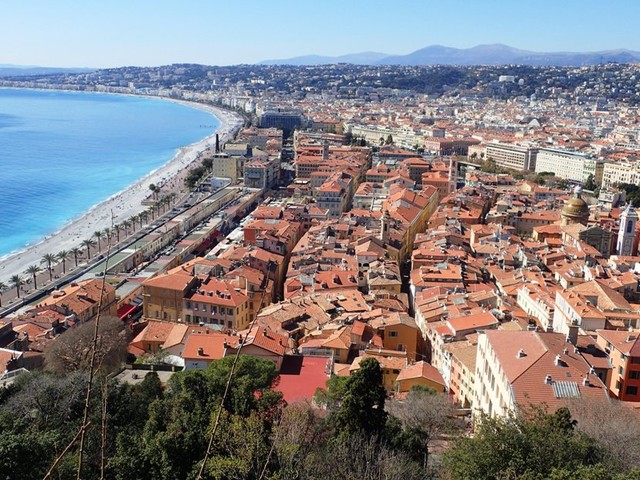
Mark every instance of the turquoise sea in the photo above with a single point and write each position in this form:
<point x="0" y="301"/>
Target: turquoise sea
<point x="63" y="152"/>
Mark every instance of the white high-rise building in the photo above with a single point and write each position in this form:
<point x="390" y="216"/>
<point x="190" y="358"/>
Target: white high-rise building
<point x="626" y="234"/>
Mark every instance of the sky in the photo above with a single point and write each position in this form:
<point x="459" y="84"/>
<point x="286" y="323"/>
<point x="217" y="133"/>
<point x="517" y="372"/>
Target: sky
<point x="112" y="33"/>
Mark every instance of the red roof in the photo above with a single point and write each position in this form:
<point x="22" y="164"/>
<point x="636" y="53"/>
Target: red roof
<point x="300" y="377"/>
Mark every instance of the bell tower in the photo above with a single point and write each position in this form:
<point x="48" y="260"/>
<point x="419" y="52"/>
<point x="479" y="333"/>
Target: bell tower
<point x="626" y="234"/>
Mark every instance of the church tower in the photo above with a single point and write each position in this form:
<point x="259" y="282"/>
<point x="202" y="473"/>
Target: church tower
<point x="626" y="234"/>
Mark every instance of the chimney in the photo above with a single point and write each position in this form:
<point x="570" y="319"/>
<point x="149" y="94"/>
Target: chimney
<point x="548" y="380"/>
<point x="572" y="336"/>
<point x="217" y="143"/>
<point x="521" y="353"/>
<point x="264" y="332"/>
<point x="201" y="351"/>
<point x="558" y="361"/>
<point x="586" y="381"/>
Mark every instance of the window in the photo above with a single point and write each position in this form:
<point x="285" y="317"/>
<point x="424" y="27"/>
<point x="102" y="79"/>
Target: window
<point x="393" y="334"/>
<point x="188" y="304"/>
<point x="621" y="370"/>
<point x="188" y="317"/>
<point x="635" y="360"/>
<point x="230" y="324"/>
<point x="618" y="384"/>
<point x="229" y="311"/>
<point x="631" y="390"/>
<point x="634" y="374"/>
<point x="214" y="309"/>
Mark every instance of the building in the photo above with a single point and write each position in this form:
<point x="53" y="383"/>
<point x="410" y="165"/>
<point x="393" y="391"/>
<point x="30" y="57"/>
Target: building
<point x="262" y="173"/>
<point x="572" y="166"/>
<point x="226" y="166"/>
<point x="515" y="369"/>
<point x="281" y="119"/>
<point x="623" y="351"/>
<point x="620" y="172"/>
<point x="516" y="157"/>
<point x="83" y="298"/>
<point x="163" y="296"/>
<point x="419" y="374"/>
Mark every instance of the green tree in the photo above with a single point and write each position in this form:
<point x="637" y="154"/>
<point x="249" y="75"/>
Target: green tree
<point x="389" y="140"/>
<point x="529" y="446"/>
<point x="16" y="281"/>
<point x="88" y="243"/>
<point x="98" y="235"/>
<point x="3" y="287"/>
<point x="590" y="183"/>
<point x="330" y="397"/>
<point x="75" y="251"/>
<point x="362" y="407"/>
<point x="63" y="256"/>
<point x="49" y="259"/>
<point x="33" y="270"/>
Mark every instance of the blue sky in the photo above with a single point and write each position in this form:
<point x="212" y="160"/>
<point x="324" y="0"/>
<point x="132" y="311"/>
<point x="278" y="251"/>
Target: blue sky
<point x="111" y="33"/>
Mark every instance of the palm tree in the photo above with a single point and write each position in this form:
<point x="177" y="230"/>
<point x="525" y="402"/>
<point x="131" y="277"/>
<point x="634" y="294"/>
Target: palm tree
<point x="63" y="256"/>
<point x="16" y="281"/>
<point x="117" y="228"/>
<point x="88" y="243"/>
<point x="75" y="251"/>
<point x="107" y="234"/>
<point x="3" y="286"/>
<point x="33" y="270"/>
<point x="49" y="259"/>
<point x="98" y="235"/>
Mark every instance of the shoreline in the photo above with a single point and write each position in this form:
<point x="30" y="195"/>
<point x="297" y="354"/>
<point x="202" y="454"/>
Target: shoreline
<point x="124" y="204"/>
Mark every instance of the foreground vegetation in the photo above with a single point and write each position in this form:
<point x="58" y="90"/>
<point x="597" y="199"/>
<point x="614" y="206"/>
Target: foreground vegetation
<point x="145" y="431"/>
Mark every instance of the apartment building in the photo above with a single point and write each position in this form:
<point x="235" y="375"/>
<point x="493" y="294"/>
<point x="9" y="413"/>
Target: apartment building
<point x="620" y="172"/>
<point x="517" y="157"/>
<point x="515" y="369"/>
<point x="623" y="351"/>
<point x="572" y="166"/>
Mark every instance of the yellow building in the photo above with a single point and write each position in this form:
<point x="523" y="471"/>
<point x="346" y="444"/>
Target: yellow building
<point x="400" y="333"/>
<point x="163" y="295"/>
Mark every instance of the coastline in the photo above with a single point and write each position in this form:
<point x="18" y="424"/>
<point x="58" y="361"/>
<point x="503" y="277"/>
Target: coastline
<point x="124" y="204"/>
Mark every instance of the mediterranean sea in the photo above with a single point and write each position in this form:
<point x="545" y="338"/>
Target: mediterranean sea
<point x="63" y="152"/>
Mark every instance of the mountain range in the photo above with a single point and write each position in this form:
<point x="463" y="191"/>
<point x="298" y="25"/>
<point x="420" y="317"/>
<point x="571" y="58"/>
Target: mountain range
<point x="494" y="54"/>
<point x="8" y="70"/>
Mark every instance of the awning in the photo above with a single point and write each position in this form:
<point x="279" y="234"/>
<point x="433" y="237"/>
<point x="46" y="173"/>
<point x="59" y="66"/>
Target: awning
<point x="125" y="310"/>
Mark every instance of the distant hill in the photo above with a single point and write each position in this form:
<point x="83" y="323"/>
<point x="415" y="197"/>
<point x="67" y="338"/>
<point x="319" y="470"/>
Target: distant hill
<point x="7" y="70"/>
<point x="495" y="54"/>
<point x="363" y="58"/>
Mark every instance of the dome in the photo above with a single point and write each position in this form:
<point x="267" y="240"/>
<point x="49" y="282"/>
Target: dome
<point x="575" y="210"/>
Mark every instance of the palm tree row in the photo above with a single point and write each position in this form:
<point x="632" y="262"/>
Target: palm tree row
<point x="51" y="259"/>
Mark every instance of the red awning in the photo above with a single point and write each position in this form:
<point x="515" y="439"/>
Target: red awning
<point x="125" y="310"/>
